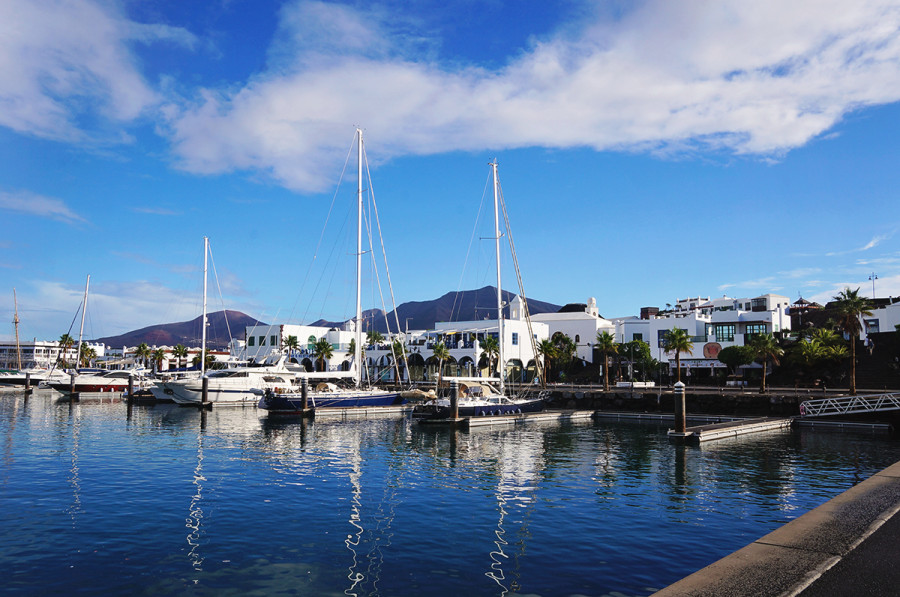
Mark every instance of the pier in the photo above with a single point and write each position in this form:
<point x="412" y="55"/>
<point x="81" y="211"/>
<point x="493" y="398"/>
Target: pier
<point x="714" y="431"/>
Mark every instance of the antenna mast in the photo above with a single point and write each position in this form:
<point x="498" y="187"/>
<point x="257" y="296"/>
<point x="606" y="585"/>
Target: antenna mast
<point x="16" y="322"/>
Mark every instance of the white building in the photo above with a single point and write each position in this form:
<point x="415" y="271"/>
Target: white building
<point x="34" y="354"/>
<point x="711" y="324"/>
<point x="883" y="319"/>
<point x="579" y="321"/>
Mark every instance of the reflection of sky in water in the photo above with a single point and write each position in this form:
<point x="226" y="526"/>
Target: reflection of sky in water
<point x="195" y="512"/>
<point x="385" y="507"/>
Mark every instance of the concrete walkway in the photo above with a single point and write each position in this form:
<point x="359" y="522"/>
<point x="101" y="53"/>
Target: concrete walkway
<point x="847" y="546"/>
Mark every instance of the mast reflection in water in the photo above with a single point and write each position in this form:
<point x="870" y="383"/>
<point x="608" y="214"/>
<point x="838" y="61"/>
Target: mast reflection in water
<point x="162" y="500"/>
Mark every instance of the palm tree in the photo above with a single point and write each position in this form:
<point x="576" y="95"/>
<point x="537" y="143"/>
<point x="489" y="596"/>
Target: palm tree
<point x="491" y="347"/>
<point x="565" y="348"/>
<point x="851" y="306"/>
<point x="158" y="355"/>
<point x="398" y="348"/>
<point x="180" y="352"/>
<point x="210" y="360"/>
<point x="291" y="343"/>
<point x="142" y="352"/>
<point x="677" y="340"/>
<point x="765" y="347"/>
<point x="547" y="350"/>
<point x="374" y="337"/>
<point x="323" y="351"/>
<point x="65" y="343"/>
<point x="606" y="343"/>
<point x="88" y="354"/>
<point x="441" y="353"/>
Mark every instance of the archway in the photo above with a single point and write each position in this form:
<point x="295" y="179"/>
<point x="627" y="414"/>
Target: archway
<point x="416" y="367"/>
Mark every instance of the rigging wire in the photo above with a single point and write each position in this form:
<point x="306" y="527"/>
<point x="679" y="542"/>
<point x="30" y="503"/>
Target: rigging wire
<point x="319" y="243"/>
<point x="457" y="299"/>
<point x="386" y="271"/>
<point x="512" y="247"/>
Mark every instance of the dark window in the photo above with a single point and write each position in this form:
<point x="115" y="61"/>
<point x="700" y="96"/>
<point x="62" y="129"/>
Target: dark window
<point x="637" y="336"/>
<point x="724" y="332"/>
<point x="251" y="341"/>
<point x="515" y="339"/>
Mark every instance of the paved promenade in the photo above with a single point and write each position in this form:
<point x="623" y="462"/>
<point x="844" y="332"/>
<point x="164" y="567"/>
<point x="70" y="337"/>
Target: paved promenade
<point x="847" y="546"/>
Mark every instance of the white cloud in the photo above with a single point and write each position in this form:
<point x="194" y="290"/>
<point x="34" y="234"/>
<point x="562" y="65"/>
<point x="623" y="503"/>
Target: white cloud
<point x="37" y="205"/>
<point x="750" y="78"/>
<point x="66" y="69"/>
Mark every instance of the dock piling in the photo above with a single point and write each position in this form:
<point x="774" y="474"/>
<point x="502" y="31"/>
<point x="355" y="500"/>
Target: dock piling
<point x="204" y="393"/>
<point x="454" y="399"/>
<point x="304" y="394"/>
<point x="680" y="415"/>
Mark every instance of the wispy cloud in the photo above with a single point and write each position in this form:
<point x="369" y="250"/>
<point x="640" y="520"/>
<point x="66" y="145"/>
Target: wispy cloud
<point x="66" y="70"/>
<point x="748" y="78"/>
<point x="38" y="205"/>
<point x="156" y="211"/>
<point x="769" y="283"/>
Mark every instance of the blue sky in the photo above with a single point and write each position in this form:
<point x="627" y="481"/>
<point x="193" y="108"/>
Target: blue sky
<point x="648" y="151"/>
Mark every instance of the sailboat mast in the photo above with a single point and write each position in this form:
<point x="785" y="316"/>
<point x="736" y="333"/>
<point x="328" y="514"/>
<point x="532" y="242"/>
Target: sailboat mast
<point x="500" y="361"/>
<point x="359" y="177"/>
<point x="81" y="330"/>
<point x="16" y="322"/>
<point x="203" y="319"/>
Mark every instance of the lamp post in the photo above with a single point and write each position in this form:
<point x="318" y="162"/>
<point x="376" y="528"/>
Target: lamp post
<point x="873" y="277"/>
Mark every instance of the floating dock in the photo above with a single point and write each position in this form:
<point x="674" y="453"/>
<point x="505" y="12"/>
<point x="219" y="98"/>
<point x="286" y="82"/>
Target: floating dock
<point x="705" y="433"/>
<point x="547" y="416"/>
<point x="361" y="412"/>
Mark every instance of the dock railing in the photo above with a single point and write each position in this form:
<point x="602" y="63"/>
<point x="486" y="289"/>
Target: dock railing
<point x="847" y="405"/>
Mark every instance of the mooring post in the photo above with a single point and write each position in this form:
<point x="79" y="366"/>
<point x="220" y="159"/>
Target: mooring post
<point x="304" y="394"/>
<point x="27" y="383"/>
<point x="454" y="399"/>
<point x="680" y="415"/>
<point x="72" y="394"/>
<point x="204" y="393"/>
<point x="130" y="386"/>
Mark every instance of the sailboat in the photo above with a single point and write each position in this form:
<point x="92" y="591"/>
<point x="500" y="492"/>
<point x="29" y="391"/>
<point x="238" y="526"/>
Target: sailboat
<point x="479" y="397"/>
<point x="327" y="394"/>
<point x="235" y="386"/>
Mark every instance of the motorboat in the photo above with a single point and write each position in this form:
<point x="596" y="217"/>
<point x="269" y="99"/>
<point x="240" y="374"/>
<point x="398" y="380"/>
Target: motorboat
<point x="99" y="381"/>
<point x="235" y="387"/>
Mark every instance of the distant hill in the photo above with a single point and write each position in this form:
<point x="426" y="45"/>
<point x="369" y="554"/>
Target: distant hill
<point x="188" y="332"/>
<point x="467" y="305"/>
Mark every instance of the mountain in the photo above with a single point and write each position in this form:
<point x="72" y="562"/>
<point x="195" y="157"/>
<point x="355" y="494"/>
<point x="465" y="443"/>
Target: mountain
<point x="466" y="305"/>
<point x="188" y="332"/>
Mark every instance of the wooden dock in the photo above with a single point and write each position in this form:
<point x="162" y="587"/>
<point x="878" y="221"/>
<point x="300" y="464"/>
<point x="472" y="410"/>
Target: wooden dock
<point x="705" y="433"/>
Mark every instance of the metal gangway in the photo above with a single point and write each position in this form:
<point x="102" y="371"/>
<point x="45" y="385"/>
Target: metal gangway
<point x="848" y="405"/>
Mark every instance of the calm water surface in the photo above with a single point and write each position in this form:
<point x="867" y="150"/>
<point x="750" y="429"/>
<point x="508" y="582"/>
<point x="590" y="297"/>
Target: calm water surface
<point x="165" y="500"/>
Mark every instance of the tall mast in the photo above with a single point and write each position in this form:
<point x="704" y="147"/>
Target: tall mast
<point x="203" y="319"/>
<point x="81" y="330"/>
<point x="16" y="322"/>
<point x="358" y="356"/>
<point x="500" y="363"/>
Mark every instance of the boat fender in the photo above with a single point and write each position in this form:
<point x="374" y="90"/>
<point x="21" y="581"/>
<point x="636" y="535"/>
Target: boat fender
<point x="481" y="413"/>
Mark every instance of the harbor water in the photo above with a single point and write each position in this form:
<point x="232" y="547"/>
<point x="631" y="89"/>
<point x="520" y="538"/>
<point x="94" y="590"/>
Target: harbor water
<point x="151" y="500"/>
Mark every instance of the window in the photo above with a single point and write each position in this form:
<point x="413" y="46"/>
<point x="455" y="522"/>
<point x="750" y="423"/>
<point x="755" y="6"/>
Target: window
<point x="871" y="326"/>
<point x="661" y="338"/>
<point x="273" y="341"/>
<point x="515" y="339"/>
<point x="709" y="330"/>
<point x="724" y="332"/>
<point x="577" y="338"/>
<point x="756" y="328"/>
<point x="758" y="304"/>
<point x="262" y="340"/>
<point x="637" y="336"/>
<point x="251" y="341"/>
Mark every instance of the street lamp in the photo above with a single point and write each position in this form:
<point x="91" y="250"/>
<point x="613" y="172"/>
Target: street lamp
<point x="873" y="277"/>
